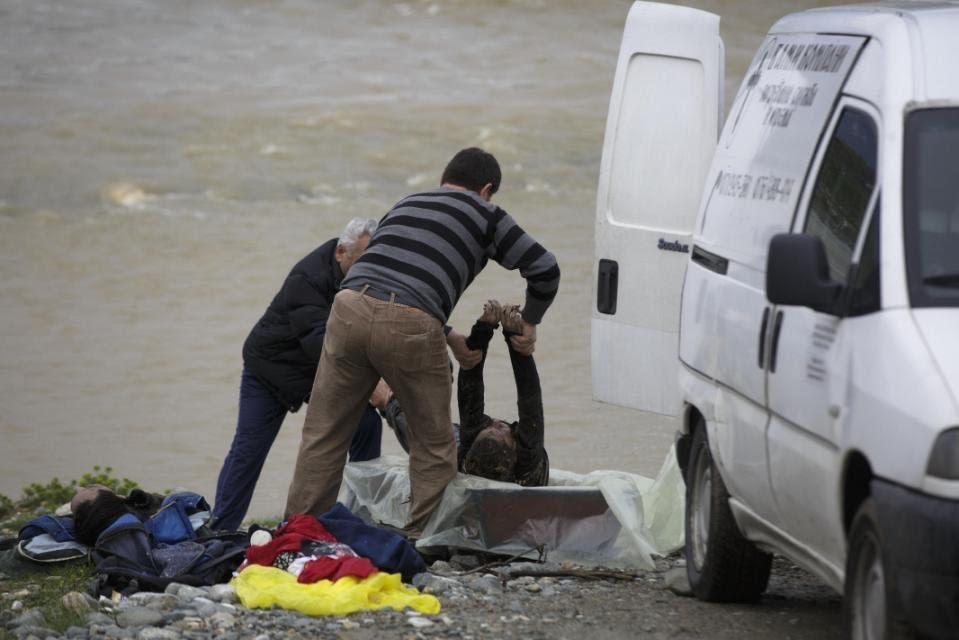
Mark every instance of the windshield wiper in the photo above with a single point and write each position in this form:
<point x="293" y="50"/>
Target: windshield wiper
<point x="943" y="280"/>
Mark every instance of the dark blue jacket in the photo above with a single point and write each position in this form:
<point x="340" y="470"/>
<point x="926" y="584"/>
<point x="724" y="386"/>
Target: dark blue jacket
<point x="283" y="349"/>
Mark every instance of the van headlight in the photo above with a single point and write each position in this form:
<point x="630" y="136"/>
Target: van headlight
<point x="944" y="457"/>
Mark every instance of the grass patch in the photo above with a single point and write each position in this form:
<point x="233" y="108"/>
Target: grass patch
<point x="42" y="586"/>
<point x="45" y="591"/>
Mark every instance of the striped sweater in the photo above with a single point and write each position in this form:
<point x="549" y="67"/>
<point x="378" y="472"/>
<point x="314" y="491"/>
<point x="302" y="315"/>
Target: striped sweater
<point x="432" y="245"/>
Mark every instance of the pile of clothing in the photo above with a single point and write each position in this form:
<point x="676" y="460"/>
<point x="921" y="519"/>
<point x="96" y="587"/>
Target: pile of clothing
<point x="332" y="565"/>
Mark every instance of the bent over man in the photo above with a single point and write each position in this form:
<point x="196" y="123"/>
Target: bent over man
<point x="388" y="321"/>
<point x="280" y="357"/>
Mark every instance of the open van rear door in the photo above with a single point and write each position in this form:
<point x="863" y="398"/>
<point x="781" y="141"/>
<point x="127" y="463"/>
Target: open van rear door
<point x="661" y="131"/>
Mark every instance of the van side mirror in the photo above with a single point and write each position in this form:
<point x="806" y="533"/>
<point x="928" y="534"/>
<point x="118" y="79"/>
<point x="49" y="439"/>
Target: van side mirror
<point x="797" y="273"/>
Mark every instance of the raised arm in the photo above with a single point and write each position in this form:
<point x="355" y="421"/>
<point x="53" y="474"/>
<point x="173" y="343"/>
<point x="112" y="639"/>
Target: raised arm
<point x="532" y="464"/>
<point x="470" y="389"/>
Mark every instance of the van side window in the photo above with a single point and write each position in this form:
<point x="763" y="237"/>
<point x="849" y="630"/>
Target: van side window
<point x="864" y="296"/>
<point x="843" y="188"/>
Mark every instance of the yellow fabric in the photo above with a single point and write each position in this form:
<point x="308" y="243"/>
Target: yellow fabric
<point x="260" y="587"/>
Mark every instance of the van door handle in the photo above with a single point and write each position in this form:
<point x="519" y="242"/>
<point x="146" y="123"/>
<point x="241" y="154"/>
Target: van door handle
<point x="774" y="347"/>
<point x="762" y="337"/>
<point x="607" y="286"/>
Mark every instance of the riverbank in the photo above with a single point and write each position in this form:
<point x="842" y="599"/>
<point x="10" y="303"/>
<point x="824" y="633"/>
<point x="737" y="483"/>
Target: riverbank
<point x="497" y="602"/>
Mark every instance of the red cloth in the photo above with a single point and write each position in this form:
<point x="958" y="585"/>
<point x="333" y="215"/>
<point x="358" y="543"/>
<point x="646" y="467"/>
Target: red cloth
<point x="289" y="538"/>
<point x="327" y="568"/>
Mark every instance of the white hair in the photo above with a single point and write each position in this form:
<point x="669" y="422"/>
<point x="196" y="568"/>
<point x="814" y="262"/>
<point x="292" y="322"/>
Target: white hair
<point x="354" y="230"/>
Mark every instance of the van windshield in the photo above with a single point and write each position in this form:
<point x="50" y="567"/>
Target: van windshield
<point x="931" y="206"/>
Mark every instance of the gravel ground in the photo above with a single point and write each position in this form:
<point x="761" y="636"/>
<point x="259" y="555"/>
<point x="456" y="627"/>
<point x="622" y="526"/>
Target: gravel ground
<point x="478" y="605"/>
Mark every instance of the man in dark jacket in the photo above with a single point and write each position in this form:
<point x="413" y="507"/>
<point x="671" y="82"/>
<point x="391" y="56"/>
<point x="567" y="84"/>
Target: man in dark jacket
<point x="280" y="358"/>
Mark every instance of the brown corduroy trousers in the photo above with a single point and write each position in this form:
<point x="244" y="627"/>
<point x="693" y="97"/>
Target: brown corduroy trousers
<point x="366" y="339"/>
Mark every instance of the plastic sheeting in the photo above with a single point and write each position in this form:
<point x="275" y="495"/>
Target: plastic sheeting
<point x="608" y="519"/>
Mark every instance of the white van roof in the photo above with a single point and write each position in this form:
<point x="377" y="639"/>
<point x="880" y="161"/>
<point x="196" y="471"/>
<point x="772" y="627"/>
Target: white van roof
<point x="919" y="34"/>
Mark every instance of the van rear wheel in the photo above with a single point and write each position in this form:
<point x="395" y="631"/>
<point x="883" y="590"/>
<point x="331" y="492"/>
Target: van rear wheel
<point x="721" y="564"/>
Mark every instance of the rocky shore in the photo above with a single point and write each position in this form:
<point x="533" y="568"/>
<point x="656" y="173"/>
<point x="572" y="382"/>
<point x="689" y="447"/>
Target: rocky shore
<point x="495" y="602"/>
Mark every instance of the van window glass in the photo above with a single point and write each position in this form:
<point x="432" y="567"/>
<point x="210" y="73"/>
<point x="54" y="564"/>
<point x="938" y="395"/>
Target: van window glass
<point x="649" y="163"/>
<point x="843" y="187"/>
<point x="931" y="206"/>
<point x="864" y="294"/>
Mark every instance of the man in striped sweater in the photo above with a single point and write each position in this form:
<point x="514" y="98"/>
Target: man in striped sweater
<point x="389" y="321"/>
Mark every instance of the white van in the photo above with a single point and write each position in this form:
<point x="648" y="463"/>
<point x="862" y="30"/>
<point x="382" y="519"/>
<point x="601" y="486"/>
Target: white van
<point x="791" y="293"/>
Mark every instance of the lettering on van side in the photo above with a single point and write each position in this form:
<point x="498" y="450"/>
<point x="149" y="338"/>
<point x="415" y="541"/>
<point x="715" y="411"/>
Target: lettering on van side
<point x="811" y="57"/>
<point x="744" y="185"/>
<point x="783" y="100"/>
<point x="674" y="245"/>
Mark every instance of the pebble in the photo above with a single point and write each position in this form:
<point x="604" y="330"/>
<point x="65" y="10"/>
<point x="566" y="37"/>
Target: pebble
<point x="29" y="618"/>
<point x="156" y="633"/>
<point x="442" y="567"/>
<point x="678" y="582"/>
<point x="222" y="620"/>
<point x="190" y="623"/>
<point x="225" y="593"/>
<point x="186" y="593"/>
<point x="434" y="584"/>
<point x="78" y="602"/>
<point x="139" y="617"/>
<point x="419" y="623"/>
<point x="465" y="562"/>
<point x="157" y="601"/>
<point x="488" y="584"/>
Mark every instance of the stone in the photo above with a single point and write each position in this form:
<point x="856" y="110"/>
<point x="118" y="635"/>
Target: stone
<point x="488" y="584"/>
<point x="223" y="593"/>
<point x="139" y="617"/>
<point x="16" y="606"/>
<point x="678" y="582"/>
<point x="430" y="583"/>
<point x="222" y="620"/>
<point x="95" y="617"/>
<point x="466" y="562"/>
<point x="442" y="567"/>
<point x="155" y="633"/>
<point x="76" y="632"/>
<point x="76" y="601"/>
<point x="419" y="623"/>
<point x="155" y="601"/>
<point x="29" y="631"/>
<point x="186" y="593"/>
<point x="533" y="587"/>
<point x="173" y="616"/>
<point x="548" y="591"/>
<point x="206" y="608"/>
<point x="190" y="623"/>
<point x="29" y="618"/>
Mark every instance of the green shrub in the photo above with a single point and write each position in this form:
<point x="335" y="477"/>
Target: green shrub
<point x="6" y="506"/>
<point x="54" y="493"/>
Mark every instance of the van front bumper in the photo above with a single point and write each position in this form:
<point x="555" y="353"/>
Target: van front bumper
<point x="921" y="552"/>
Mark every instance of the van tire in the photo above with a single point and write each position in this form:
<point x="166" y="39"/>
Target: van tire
<point x="721" y="564"/>
<point x="870" y="609"/>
